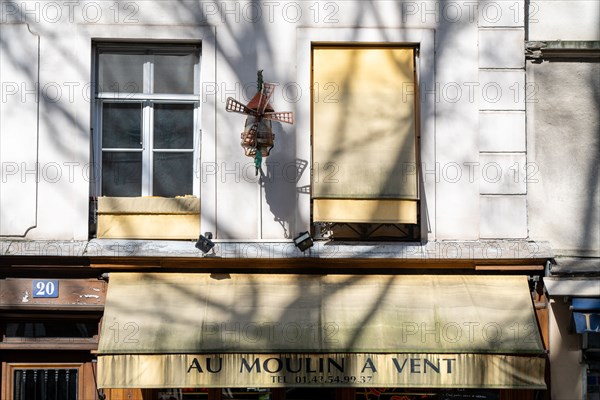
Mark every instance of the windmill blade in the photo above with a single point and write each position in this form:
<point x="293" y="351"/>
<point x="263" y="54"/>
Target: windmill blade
<point x="280" y="116"/>
<point x="267" y="92"/>
<point x="235" y="106"/>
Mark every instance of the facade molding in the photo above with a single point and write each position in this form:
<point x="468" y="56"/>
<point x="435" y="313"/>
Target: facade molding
<point x="482" y="250"/>
<point x="539" y="51"/>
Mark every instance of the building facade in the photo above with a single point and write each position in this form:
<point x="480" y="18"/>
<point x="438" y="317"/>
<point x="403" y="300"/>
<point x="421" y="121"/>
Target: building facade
<point x="565" y="70"/>
<point x="299" y="200"/>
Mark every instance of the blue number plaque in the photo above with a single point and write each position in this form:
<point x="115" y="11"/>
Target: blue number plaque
<point x="45" y="288"/>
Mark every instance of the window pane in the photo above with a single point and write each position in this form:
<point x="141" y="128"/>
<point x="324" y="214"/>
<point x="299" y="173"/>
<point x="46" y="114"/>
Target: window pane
<point x="173" y="126"/>
<point x="121" y="73"/>
<point x="174" y="73"/>
<point x="173" y="174"/>
<point x="45" y="384"/>
<point x="122" y="125"/>
<point x="122" y="174"/>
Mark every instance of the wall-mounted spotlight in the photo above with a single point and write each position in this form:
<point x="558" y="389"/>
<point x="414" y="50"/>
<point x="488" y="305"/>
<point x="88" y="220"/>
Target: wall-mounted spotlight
<point x="204" y="243"/>
<point x="303" y="241"/>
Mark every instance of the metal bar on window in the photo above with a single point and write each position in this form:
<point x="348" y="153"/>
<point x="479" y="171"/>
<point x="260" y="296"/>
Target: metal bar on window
<point x="134" y="48"/>
<point x="67" y="373"/>
<point x="146" y="68"/>
<point x="56" y="384"/>
<point x="19" y="382"/>
<point x="197" y="147"/>
<point x="147" y="128"/>
<point x="35" y="382"/>
<point x="134" y="97"/>
<point x="149" y="74"/>
<point x="45" y="386"/>
<point x="172" y="150"/>
<point x="117" y="150"/>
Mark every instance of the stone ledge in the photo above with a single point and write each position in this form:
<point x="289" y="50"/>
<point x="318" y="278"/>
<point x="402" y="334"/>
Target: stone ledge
<point x="484" y="250"/>
<point x="539" y="51"/>
<point x="575" y="265"/>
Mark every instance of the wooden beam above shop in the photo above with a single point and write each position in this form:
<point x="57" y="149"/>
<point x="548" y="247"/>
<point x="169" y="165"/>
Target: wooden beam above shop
<point x="307" y="264"/>
<point x="536" y="267"/>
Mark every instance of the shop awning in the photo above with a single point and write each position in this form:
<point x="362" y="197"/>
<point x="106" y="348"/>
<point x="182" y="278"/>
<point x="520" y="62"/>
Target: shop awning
<point x="186" y="330"/>
<point x="585" y="287"/>
<point x="586" y="322"/>
<point x="586" y="314"/>
<point x="585" y="304"/>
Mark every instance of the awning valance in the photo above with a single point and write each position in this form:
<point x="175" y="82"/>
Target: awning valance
<point x="414" y="370"/>
<point x="157" y="317"/>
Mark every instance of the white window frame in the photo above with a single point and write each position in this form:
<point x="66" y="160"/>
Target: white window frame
<point x="147" y="99"/>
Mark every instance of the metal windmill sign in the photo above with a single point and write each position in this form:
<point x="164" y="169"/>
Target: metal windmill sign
<point x="258" y="137"/>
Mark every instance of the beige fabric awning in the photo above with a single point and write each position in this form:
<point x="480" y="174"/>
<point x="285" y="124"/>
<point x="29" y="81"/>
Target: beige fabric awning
<point x="167" y="319"/>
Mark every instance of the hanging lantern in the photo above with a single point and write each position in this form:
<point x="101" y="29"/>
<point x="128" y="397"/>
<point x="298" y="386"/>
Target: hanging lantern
<point x="258" y="137"/>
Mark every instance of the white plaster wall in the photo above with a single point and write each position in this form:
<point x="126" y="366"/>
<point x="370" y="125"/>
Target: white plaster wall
<point x="457" y="136"/>
<point x="59" y="201"/>
<point x="19" y="129"/>
<point x="501" y="48"/>
<point x="564" y="20"/>
<point x="505" y="217"/>
<point x="503" y="205"/>
<point x="566" y="370"/>
<point x="250" y="206"/>
<point x="502" y="131"/>
<point x="501" y="14"/>
<point x="65" y="167"/>
<point x="247" y="36"/>
<point x="564" y="152"/>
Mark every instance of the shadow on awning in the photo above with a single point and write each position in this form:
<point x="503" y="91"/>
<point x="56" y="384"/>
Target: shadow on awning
<point x="198" y="330"/>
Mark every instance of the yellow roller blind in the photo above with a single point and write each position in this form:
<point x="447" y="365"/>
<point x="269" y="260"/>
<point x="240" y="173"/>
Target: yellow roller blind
<point x="364" y="142"/>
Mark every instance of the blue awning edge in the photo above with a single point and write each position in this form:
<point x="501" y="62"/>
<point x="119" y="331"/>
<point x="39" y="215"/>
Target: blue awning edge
<point x="585" y="304"/>
<point x="585" y="315"/>
<point x="586" y="322"/>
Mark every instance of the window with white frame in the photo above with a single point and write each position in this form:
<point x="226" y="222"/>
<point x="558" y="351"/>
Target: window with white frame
<point x="147" y="119"/>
